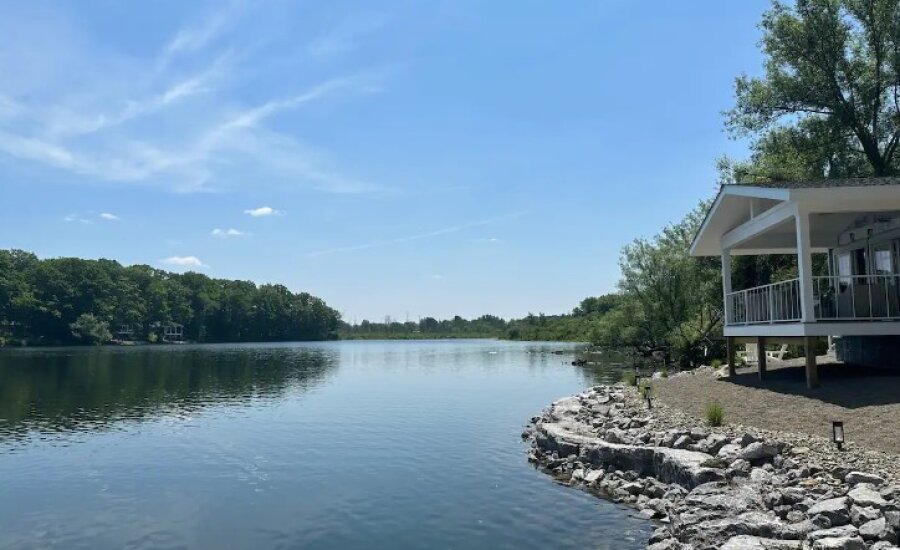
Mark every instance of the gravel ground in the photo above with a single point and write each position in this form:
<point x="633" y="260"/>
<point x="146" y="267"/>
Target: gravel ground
<point x="867" y="401"/>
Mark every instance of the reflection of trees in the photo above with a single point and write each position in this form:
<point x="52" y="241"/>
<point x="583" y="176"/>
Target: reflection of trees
<point x="92" y="390"/>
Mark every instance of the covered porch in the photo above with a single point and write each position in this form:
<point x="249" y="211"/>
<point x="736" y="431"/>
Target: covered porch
<point x="855" y="224"/>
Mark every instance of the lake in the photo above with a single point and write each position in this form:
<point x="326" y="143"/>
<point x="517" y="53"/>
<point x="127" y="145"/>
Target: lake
<point x="337" y="445"/>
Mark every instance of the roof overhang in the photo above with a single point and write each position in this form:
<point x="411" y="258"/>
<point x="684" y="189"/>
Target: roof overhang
<point x="739" y="211"/>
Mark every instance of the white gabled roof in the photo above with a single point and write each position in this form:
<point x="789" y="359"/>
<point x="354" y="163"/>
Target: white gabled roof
<point x="836" y="200"/>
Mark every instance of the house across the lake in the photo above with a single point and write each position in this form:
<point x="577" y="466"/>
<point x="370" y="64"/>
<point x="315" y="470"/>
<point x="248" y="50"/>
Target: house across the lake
<point x="856" y="222"/>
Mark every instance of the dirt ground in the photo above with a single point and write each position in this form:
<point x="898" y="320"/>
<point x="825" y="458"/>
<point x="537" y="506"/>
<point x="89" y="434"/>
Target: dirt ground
<point x="866" y="400"/>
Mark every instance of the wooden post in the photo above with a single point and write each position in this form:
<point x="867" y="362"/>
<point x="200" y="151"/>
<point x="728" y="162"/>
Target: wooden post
<point x="812" y="370"/>
<point x="761" y="355"/>
<point x="804" y="267"/>
<point x="729" y="351"/>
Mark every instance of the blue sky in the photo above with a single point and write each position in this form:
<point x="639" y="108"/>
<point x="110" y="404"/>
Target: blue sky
<point x="395" y="158"/>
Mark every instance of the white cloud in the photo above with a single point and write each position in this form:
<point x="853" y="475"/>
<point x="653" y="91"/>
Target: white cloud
<point x="81" y="107"/>
<point x="76" y="217"/>
<point x="183" y="261"/>
<point x="263" y="211"/>
<point x="109" y="216"/>
<point x="228" y="233"/>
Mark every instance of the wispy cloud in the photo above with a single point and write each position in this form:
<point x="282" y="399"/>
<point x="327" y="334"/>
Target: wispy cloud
<point x="183" y="261"/>
<point x="117" y="118"/>
<point x="344" y="37"/>
<point x="418" y="236"/>
<point x="109" y="216"/>
<point x="75" y="217"/>
<point x="263" y="211"/>
<point x="228" y="233"/>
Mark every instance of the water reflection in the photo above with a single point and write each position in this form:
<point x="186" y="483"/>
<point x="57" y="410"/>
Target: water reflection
<point x="93" y="389"/>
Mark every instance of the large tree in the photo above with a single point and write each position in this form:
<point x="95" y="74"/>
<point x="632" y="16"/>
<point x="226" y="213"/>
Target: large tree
<point x="828" y="104"/>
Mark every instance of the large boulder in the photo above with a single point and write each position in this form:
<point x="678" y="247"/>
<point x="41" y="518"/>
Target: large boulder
<point x="839" y="543"/>
<point x="854" y="478"/>
<point x="749" y="542"/>
<point x="864" y="495"/>
<point x="758" y="450"/>
<point x="836" y="510"/>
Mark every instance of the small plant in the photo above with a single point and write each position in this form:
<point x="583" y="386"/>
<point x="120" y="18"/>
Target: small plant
<point x="629" y="378"/>
<point x="715" y="414"/>
<point x="664" y="372"/>
<point x="716" y="363"/>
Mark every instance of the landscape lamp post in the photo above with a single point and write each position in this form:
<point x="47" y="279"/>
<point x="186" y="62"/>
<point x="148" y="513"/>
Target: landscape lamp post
<point x="649" y="397"/>
<point x="837" y="431"/>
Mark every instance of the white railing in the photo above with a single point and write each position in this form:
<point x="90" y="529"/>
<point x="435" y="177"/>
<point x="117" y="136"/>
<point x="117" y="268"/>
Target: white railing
<point x="835" y="298"/>
<point x="772" y="303"/>
<point x="856" y="297"/>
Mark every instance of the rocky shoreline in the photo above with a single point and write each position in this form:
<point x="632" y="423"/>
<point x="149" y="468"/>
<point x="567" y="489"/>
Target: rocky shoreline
<point x="728" y="487"/>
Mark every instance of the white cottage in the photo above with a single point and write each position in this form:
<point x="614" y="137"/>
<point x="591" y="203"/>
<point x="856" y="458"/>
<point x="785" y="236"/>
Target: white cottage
<point x="856" y="222"/>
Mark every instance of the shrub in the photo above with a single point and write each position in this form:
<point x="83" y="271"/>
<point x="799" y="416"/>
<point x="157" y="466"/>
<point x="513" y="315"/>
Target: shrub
<point x="89" y="329"/>
<point x="715" y="414"/>
<point x="664" y="372"/>
<point x="629" y="378"/>
<point x="716" y="363"/>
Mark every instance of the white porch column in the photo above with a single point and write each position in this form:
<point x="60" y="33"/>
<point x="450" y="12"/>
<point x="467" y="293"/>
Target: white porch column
<point x="726" y="282"/>
<point x="804" y="266"/>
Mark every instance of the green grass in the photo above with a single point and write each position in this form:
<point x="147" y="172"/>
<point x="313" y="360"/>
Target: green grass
<point x="715" y="414"/>
<point x="629" y="378"/>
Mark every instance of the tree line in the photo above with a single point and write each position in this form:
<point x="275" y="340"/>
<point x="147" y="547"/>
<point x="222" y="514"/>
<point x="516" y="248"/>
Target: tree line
<point x="71" y="300"/>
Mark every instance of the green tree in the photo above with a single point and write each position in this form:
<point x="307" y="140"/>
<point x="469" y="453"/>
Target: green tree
<point x="89" y="329"/>
<point x="829" y="102"/>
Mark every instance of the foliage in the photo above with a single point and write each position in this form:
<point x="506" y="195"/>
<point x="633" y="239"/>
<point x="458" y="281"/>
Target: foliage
<point x="715" y="414"/>
<point x="829" y="103"/>
<point x="716" y="363"/>
<point x="43" y="298"/>
<point x="668" y="298"/>
<point x="629" y="378"/>
<point x="91" y="330"/>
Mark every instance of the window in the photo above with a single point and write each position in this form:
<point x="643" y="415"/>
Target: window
<point x="883" y="258"/>
<point x="844" y="269"/>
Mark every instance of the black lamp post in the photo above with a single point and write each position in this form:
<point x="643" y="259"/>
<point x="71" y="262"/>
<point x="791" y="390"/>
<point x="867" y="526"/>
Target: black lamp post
<point x="837" y="432"/>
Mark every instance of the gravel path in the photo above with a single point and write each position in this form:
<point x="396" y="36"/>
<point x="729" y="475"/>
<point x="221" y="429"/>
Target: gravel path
<point x="868" y="402"/>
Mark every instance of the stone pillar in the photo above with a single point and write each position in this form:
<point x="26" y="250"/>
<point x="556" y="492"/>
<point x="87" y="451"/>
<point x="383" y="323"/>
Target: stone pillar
<point x="812" y="369"/>
<point x="761" y="355"/>
<point x="729" y="352"/>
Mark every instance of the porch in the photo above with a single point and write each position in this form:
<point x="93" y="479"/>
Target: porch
<point x="856" y="223"/>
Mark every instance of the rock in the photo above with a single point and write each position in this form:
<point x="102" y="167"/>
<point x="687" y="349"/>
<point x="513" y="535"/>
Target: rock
<point x="877" y="529"/>
<point x="893" y="519"/>
<point x="860" y="514"/>
<point x="668" y="544"/>
<point x="882" y="545"/>
<point x="729" y="451"/>
<point x="757" y="451"/>
<point x="683" y="442"/>
<point x="854" y="478"/>
<point x="712" y="443"/>
<point x="747" y="439"/>
<point x="593" y="476"/>
<point x="864" y="495"/>
<point x="729" y="499"/>
<point x="834" y="509"/>
<point x="749" y="542"/>
<point x="616" y="435"/>
<point x="834" y="532"/>
<point x="839" y="543"/>
<point x="758" y="475"/>
<point x="758" y="524"/>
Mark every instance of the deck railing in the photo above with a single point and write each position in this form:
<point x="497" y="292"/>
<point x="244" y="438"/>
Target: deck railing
<point x="856" y="297"/>
<point x="835" y="298"/>
<point x="772" y="303"/>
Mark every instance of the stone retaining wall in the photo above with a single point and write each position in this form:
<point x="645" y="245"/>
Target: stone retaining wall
<point x="728" y="487"/>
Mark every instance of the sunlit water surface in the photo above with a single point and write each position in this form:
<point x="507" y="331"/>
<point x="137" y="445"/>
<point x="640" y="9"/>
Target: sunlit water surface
<point x="335" y="445"/>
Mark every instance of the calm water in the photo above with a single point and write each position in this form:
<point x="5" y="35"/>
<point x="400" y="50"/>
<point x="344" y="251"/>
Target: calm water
<point x="331" y="445"/>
